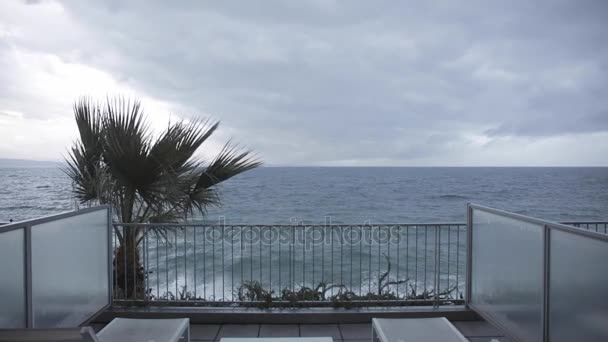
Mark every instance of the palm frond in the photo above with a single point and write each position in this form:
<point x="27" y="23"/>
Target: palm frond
<point x="89" y="125"/>
<point x="229" y="163"/>
<point x="127" y="142"/>
<point x="117" y="160"/>
<point x="171" y="159"/>
<point x="176" y="146"/>
<point x="84" y="164"/>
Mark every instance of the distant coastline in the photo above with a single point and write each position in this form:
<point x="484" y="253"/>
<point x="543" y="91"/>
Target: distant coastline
<point x="13" y="163"/>
<point x="28" y="163"/>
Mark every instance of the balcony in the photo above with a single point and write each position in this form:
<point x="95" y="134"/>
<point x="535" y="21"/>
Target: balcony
<point x="519" y="277"/>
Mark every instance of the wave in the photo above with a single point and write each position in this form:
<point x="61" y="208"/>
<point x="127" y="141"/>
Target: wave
<point x="43" y="186"/>
<point x="453" y="197"/>
<point x="15" y="207"/>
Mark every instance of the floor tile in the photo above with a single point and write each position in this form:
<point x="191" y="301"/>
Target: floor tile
<point x="320" y="330"/>
<point x="279" y="330"/>
<point x="204" y="331"/>
<point x="490" y="339"/>
<point x="239" y="330"/>
<point x="477" y="329"/>
<point x="356" y="331"/>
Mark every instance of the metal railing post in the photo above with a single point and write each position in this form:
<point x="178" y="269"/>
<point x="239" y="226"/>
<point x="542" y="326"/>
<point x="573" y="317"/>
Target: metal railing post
<point x="110" y="258"/>
<point x="546" y="280"/>
<point x="146" y="265"/>
<point x="29" y="305"/>
<point x="469" y="246"/>
<point x="437" y="267"/>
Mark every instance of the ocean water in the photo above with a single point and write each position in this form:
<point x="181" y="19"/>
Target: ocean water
<point x="398" y="195"/>
<point x="27" y="193"/>
<point x="357" y="195"/>
<point x="211" y="267"/>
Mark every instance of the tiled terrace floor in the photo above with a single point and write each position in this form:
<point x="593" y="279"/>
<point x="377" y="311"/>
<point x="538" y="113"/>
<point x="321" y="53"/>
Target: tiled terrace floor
<point x="475" y="331"/>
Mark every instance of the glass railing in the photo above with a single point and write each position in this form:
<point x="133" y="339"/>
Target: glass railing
<point x="537" y="280"/>
<point x="55" y="270"/>
<point x="578" y="308"/>
<point x="12" y="281"/>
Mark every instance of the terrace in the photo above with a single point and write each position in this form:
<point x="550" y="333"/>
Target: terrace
<point x="499" y="275"/>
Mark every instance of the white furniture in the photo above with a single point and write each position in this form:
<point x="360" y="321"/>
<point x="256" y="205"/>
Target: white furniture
<point x="415" y="330"/>
<point x="119" y="330"/>
<point x="276" y="339"/>
<point x="84" y="334"/>
<point x="145" y="330"/>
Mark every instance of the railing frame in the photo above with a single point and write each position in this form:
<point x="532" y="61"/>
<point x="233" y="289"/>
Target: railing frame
<point x="547" y="227"/>
<point x="26" y="225"/>
<point x="434" y="299"/>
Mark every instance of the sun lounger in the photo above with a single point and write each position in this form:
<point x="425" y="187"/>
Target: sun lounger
<point x="415" y="329"/>
<point x="276" y="339"/>
<point x="85" y="334"/>
<point x="120" y="329"/>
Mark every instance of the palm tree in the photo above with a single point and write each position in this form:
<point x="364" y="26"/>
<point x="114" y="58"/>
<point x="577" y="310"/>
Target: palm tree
<point x="145" y="177"/>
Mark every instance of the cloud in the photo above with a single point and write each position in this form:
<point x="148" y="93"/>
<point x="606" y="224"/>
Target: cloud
<point x="330" y="82"/>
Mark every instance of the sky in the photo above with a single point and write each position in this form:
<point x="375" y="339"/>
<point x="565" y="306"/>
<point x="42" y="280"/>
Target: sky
<point x="320" y="82"/>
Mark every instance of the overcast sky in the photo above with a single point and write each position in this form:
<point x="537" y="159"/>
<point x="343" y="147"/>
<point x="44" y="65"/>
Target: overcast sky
<point x="321" y="82"/>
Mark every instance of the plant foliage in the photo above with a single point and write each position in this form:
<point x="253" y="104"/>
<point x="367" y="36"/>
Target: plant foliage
<point x="145" y="177"/>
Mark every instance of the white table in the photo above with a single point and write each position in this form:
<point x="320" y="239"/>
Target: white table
<point x="145" y="330"/>
<point x="276" y="339"/>
<point x="437" y="329"/>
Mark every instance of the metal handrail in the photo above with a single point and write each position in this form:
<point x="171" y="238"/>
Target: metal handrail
<point x="191" y="224"/>
<point x="32" y="222"/>
<point x="590" y="225"/>
<point x="565" y="226"/>
<point x="407" y="264"/>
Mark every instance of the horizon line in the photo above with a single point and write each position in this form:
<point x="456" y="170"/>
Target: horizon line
<point x="363" y="166"/>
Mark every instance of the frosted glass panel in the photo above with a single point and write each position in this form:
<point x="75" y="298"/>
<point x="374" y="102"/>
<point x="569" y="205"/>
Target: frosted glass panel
<point x="507" y="273"/>
<point x="12" y="279"/>
<point x="578" y="278"/>
<point x="69" y="269"/>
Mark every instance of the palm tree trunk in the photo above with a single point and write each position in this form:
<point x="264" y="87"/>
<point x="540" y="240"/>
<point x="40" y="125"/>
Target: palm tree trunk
<point x="129" y="271"/>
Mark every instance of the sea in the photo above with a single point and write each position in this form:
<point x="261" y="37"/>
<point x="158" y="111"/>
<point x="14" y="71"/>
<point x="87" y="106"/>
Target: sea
<point x="362" y="196"/>
<point x="353" y="195"/>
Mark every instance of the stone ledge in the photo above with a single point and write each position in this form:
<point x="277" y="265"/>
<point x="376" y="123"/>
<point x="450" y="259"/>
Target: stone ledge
<point x="208" y="315"/>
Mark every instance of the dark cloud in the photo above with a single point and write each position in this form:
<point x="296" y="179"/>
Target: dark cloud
<point x="322" y="81"/>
